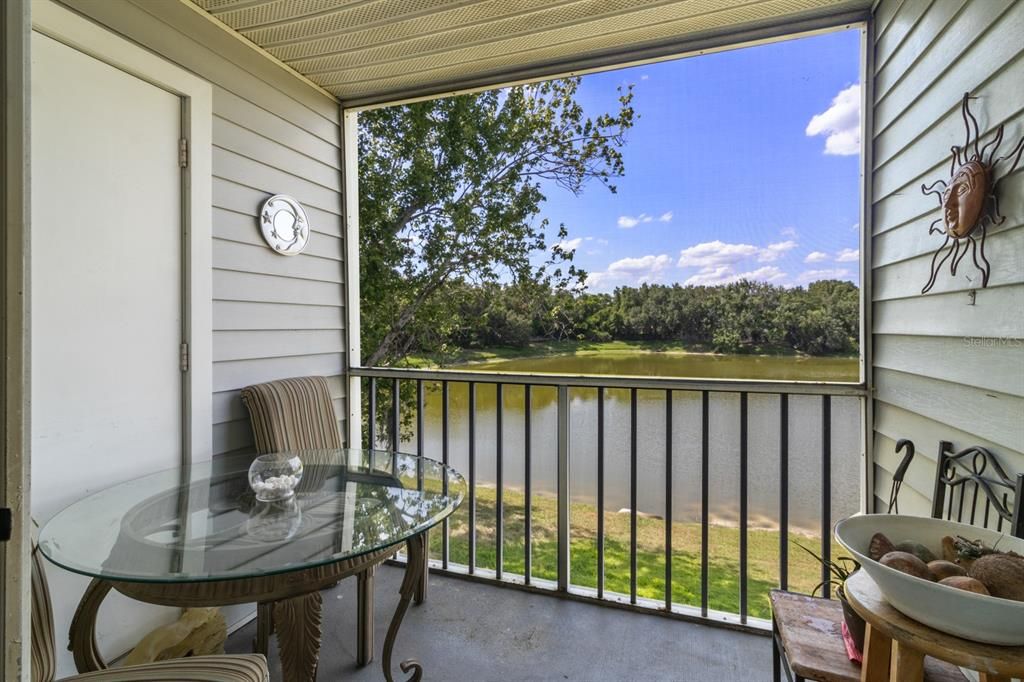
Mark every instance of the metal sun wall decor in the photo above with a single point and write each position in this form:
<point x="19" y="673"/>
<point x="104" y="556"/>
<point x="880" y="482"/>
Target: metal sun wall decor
<point x="963" y="197"/>
<point x="284" y="225"/>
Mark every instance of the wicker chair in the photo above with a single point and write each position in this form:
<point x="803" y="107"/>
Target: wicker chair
<point x="247" y="668"/>
<point x="297" y="414"/>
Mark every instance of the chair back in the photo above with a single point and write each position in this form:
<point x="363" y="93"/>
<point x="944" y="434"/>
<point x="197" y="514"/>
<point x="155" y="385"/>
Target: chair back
<point x="963" y="476"/>
<point x="292" y="414"/>
<point x="44" y="652"/>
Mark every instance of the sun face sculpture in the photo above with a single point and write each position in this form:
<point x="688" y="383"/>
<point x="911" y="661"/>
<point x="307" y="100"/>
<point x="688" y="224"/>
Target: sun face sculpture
<point x="963" y="199"/>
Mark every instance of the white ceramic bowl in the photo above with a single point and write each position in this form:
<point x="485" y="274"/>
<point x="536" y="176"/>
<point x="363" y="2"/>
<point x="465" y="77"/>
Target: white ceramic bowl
<point x="965" y="614"/>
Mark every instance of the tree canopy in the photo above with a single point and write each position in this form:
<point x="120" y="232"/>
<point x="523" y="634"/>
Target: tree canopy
<point x="450" y="194"/>
<point x="823" y="318"/>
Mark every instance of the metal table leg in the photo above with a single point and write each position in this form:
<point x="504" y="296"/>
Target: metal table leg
<point x="416" y="551"/>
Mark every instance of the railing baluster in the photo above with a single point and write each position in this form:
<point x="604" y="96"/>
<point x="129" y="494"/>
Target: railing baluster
<point x="705" y="509"/>
<point x="421" y="586"/>
<point x="743" y="507"/>
<point x="372" y="426"/>
<point x="499" y="505"/>
<point x="632" y="495"/>
<point x="563" y="489"/>
<point x="527" y="516"/>
<point x="668" y="500"/>
<point x="826" y="493"/>
<point x="396" y="417"/>
<point x="783" y="491"/>
<point x="600" y="493"/>
<point x="472" y="477"/>
<point x="419" y="432"/>
<point x="446" y="526"/>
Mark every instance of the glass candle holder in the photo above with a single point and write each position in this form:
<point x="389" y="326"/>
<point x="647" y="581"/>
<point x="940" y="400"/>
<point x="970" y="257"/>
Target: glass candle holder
<point x="274" y="477"/>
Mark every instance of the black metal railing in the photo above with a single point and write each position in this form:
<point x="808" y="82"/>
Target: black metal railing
<point x="384" y="401"/>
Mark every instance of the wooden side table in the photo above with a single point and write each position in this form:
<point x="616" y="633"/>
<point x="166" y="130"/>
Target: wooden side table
<point x="895" y="645"/>
<point x="808" y="644"/>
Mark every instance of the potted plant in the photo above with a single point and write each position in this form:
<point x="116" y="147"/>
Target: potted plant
<point x="839" y="571"/>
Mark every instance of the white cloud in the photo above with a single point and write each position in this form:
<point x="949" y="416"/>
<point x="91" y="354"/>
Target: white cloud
<point x="628" y="221"/>
<point x="568" y="244"/>
<point x="644" y="77"/>
<point x="602" y="242"/>
<point x="776" y="251"/>
<point x="719" y="262"/>
<point x="848" y="256"/>
<point x="724" y="275"/>
<point x="712" y="254"/>
<point x="830" y="273"/>
<point x="644" y="264"/>
<point x="816" y="257"/>
<point x="630" y="272"/>
<point x="840" y="123"/>
<point x="788" y="232"/>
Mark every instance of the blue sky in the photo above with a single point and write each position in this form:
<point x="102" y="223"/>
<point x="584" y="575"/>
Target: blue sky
<point x="742" y="164"/>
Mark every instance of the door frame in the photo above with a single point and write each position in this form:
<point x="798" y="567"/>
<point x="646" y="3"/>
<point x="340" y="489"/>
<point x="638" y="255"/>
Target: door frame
<point x="196" y="95"/>
<point x="18" y="18"/>
<point x="15" y="204"/>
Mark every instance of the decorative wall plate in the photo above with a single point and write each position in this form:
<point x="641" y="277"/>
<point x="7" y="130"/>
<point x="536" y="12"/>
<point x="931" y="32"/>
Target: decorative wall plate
<point x="284" y="225"/>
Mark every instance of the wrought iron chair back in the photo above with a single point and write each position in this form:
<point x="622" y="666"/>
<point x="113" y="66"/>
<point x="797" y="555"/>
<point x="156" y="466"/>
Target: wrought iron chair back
<point x="972" y="472"/>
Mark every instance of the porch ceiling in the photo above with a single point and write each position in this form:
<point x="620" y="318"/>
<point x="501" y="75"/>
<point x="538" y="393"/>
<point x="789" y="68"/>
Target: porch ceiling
<point x="371" y="51"/>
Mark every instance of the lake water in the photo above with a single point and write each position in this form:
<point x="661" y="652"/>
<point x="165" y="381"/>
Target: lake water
<point x="805" y="433"/>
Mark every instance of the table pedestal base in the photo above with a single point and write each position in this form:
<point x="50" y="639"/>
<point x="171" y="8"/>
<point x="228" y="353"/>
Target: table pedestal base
<point x="292" y="599"/>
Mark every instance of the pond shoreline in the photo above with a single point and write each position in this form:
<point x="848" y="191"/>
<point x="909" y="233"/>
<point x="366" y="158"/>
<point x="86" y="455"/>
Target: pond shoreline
<point x="554" y="349"/>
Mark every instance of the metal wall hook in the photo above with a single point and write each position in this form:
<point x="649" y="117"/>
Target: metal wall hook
<point x="901" y="470"/>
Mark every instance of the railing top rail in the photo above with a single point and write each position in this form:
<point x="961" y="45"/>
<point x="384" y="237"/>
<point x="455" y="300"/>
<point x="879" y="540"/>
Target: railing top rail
<point x="614" y="381"/>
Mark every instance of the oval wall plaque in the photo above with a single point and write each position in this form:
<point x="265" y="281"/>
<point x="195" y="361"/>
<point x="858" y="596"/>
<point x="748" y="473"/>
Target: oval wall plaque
<point x="284" y="225"/>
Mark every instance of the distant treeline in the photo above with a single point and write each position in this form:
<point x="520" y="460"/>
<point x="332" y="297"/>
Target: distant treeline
<point x="821" y="319"/>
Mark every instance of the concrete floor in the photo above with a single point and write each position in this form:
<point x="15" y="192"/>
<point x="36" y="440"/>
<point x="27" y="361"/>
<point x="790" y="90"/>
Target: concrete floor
<point x="475" y="632"/>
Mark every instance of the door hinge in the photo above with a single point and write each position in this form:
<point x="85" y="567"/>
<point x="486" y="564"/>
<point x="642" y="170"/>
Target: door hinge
<point x="183" y="153"/>
<point x="6" y="524"/>
<point x="184" y="357"/>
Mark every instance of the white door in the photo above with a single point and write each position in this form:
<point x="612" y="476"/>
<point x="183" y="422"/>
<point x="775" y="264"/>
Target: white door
<point x="107" y="290"/>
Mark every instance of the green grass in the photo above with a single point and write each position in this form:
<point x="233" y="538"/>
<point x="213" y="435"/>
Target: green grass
<point x="540" y="349"/>
<point x="723" y="550"/>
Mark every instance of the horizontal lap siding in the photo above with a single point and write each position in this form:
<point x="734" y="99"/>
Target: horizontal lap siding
<point x="945" y="367"/>
<point x="273" y="316"/>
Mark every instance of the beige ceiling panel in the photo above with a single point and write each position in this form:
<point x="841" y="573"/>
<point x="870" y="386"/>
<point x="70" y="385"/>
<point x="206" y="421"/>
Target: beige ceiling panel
<point x="545" y="24"/>
<point x="660" y="23"/>
<point x="373" y="50"/>
<point x="476" y="14"/>
<point x="249" y="14"/>
<point x="378" y="13"/>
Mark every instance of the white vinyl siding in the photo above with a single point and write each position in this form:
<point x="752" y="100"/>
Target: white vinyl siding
<point x="945" y="368"/>
<point x="273" y="316"/>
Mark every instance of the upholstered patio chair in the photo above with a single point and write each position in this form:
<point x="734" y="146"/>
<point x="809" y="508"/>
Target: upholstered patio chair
<point x="233" y="668"/>
<point x="297" y="414"/>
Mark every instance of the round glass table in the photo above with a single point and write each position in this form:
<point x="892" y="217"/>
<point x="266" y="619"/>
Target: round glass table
<point x="197" y="536"/>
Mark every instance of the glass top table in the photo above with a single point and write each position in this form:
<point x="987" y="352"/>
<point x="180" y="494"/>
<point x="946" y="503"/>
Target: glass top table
<point x="197" y="536"/>
<point x="199" y="523"/>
